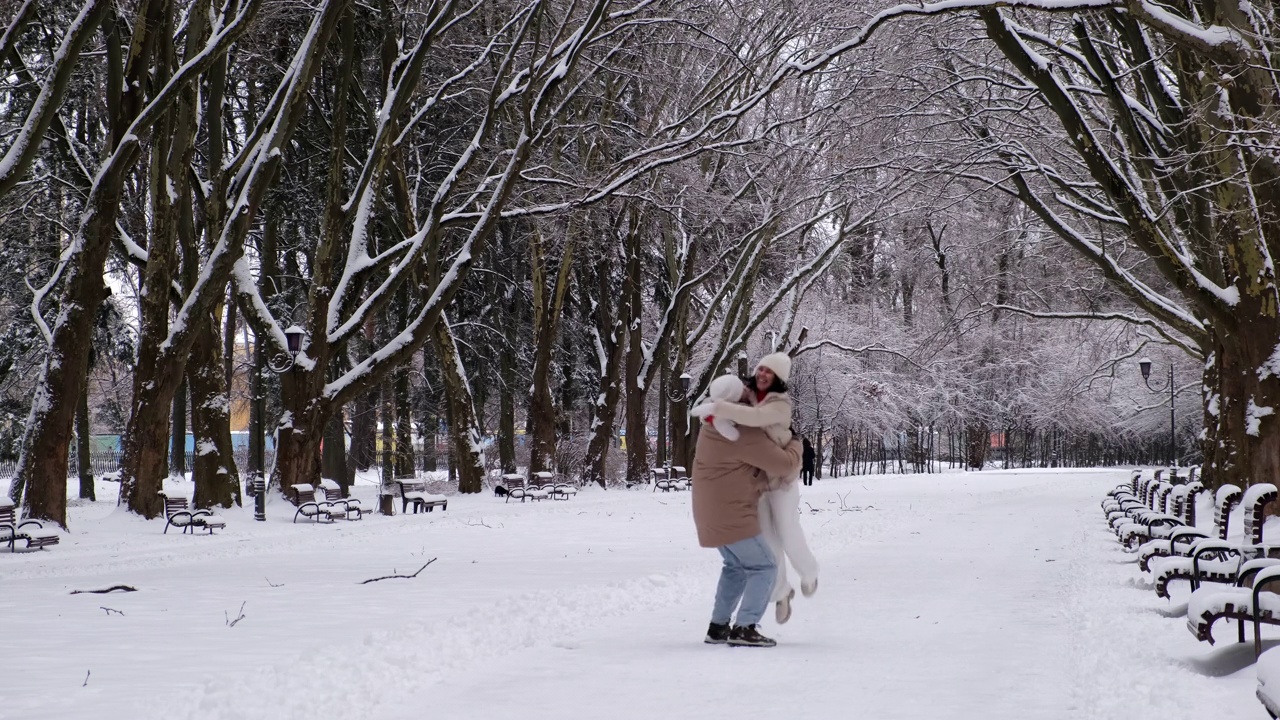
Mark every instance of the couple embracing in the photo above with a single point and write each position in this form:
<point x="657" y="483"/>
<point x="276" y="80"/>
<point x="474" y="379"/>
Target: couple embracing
<point x="746" y="501"/>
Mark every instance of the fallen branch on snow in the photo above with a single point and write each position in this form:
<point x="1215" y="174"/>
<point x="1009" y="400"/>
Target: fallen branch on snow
<point x="111" y="610"/>
<point x="113" y="588"/>
<point x="388" y="577"/>
<point x="230" y="622"/>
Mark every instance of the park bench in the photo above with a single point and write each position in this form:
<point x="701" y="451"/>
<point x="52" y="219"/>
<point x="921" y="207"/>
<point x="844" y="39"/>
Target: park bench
<point x="303" y="495"/>
<point x="31" y="532"/>
<point x="177" y="513"/>
<point x="519" y="487"/>
<point x="560" y="489"/>
<point x="333" y="495"/>
<point x="413" y="491"/>
<point x="1216" y="560"/>
<point x="1180" y="540"/>
<point x="1138" y="524"/>
<point x="1252" y="600"/>
<point x="680" y="477"/>
<point x="661" y="479"/>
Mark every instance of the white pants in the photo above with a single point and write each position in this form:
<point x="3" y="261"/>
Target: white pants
<point x="780" y="525"/>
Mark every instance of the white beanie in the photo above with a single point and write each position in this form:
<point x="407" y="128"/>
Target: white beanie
<point x="779" y="363"/>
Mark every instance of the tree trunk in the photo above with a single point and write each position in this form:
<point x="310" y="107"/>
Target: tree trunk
<point x="84" y="464"/>
<point x="637" y="432"/>
<point x="386" y="436"/>
<point x="178" y="435"/>
<point x="977" y="440"/>
<point x="404" y="425"/>
<point x="610" y="350"/>
<point x="464" y="435"/>
<point x="548" y="303"/>
<point x="217" y="481"/>
<point x="364" y="434"/>
<point x="334" y="460"/>
<point x="507" y="408"/>
<point x="1242" y="438"/>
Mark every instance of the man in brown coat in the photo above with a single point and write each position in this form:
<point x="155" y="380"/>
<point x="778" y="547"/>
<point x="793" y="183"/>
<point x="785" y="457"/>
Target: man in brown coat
<point x="728" y="478"/>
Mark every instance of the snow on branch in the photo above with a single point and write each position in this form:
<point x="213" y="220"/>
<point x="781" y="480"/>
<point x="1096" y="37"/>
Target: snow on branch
<point x="1159" y="328"/>
<point x="22" y="151"/>
<point x="872" y="348"/>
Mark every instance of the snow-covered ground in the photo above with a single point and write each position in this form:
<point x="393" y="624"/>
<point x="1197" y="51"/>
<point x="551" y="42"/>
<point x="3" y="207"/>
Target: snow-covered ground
<point x="982" y="595"/>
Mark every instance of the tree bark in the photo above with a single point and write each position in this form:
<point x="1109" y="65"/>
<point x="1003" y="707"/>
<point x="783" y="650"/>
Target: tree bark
<point x="610" y="350"/>
<point x="405" y="465"/>
<point x="84" y="448"/>
<point x="217" y="480"/>
<point x="178" y="433"/>
<point x="334" y="461"/>
<point x="464" y="435"/>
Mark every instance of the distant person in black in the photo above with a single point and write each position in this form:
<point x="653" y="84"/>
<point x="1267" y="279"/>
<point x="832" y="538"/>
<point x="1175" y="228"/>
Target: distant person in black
<point x="806" y="463"/>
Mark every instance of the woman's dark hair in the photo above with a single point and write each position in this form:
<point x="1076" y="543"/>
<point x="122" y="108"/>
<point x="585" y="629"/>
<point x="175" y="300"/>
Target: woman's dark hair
<point x="777" y="387"/>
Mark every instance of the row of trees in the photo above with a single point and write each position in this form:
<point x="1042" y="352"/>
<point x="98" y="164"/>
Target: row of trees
<point x="551" y="210"/>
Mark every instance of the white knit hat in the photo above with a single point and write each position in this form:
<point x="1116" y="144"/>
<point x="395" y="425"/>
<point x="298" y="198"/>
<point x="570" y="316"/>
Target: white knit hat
<point x="779" y="363"/>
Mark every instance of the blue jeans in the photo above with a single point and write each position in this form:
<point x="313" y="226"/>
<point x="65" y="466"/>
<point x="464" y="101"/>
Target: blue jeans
<point x="746" y="580"/>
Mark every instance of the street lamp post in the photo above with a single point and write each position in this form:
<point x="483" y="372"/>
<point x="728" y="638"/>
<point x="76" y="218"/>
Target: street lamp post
<point x="678" y="396"/>
<point x="279" y="364"/>
<point x="1145" y="366"/>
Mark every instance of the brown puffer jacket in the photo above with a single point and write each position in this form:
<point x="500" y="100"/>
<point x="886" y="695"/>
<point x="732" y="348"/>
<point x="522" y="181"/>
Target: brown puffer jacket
<point x="728" y="478"/>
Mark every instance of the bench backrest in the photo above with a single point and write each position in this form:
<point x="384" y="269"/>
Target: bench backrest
<point x="7" y="512"/>
<point x="680" y="472"/>
<point x="1177" y="502"/>
<point x="1162" y="494"/>
<point x="332" y="490"/>
<point x="412" y="486"/>
<point x="542" y="478"/>
<point x="1255" y="502"/>
<point x="1224" y="502"/>
<point x="1194" y="491"/>
<point x="1147" y="487"/>
<point x="513" y="480"/>
<point x="658" y="473"/>
<point x="173" y="505"/>
<point x="304" y="493"/>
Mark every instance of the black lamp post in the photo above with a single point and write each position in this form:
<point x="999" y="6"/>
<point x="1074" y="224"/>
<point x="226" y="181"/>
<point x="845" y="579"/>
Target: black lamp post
<point x="678" y="396"/>
<point x="279" y="364"/>
<point x="1145" y="366"/>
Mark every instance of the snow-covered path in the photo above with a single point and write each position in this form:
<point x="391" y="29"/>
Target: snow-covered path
<point x="991" y="595"/>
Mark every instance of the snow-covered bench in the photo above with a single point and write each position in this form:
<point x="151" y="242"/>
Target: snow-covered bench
<point x="1218" y="561"/>
<point x="1177" y="541"/>
<point x="1254" y="600"/>
<point x="333" y="495"/>
<point x="177" y="513"/>
<point x="415" y="492"/>
<point x="1132" y="512"/>
<point x="517" y="487"/>
<point x="663" y="479"/>
<point x="304" y="496"/>
<point x="561" y="489"/>
<point x="30" y="532"/>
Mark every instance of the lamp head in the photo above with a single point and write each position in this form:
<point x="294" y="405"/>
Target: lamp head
<point x="293" y="336"/>
<point x="1145" y="366"/>
<point x="685" y="381"/>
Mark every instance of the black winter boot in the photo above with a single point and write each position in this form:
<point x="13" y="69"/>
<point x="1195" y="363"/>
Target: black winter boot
<point x="749" y="636"/>
<point x="717" y="634"/>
